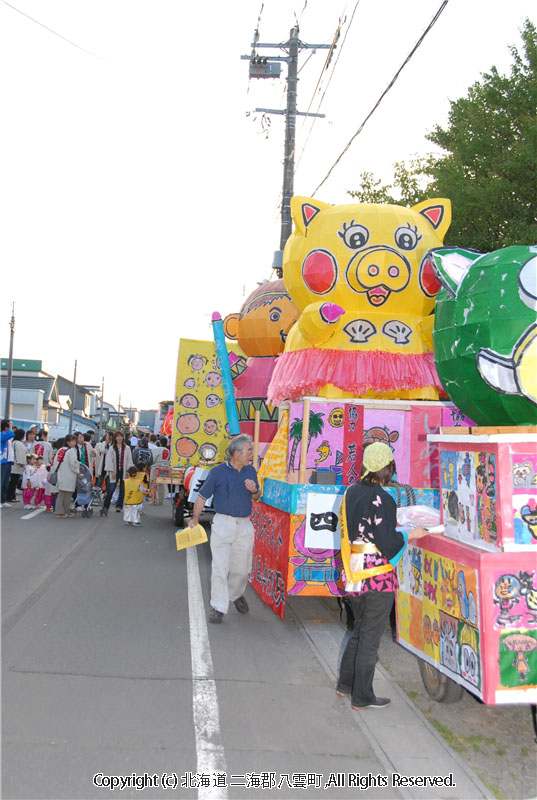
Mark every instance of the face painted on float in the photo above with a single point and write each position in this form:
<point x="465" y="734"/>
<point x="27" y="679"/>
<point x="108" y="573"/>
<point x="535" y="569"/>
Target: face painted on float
<point x="264" y="321"/>
<point x="371" y="260"/>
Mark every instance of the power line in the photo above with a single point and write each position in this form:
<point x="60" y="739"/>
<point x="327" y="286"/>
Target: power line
<point x="324" y="67"/>
<point x="327" y="85"/>
<point x="50" y="30"/>
<point x="384" y="93"/>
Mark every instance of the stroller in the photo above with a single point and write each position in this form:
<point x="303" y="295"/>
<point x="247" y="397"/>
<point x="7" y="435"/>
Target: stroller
<point x="87" y="494"/>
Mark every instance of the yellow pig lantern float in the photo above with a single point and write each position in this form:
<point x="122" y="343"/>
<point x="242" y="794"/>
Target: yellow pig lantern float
<point x="365" y="287"/>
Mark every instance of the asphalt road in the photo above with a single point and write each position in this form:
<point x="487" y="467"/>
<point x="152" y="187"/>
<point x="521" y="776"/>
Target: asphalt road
<point x="100" y="676"/>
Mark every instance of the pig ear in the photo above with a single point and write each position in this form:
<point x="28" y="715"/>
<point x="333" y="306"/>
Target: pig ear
<point x="437" y="213"/>
<point x="231" y="326"/>
<point x="303" y="212"/>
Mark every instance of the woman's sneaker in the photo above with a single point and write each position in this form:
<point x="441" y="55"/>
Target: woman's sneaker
<point x="378" y="702"/>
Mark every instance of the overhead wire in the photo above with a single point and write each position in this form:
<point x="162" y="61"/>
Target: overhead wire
<point x="384" y="93"/>
<point x="256" y="39"/>
<point x="314" y="120"/>
<point x="50" y="30"/>
<point x="319" y="81"/>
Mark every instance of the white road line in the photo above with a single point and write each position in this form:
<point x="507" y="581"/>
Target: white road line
<point x="209" y="746"/>
<point x="33" y="513"/>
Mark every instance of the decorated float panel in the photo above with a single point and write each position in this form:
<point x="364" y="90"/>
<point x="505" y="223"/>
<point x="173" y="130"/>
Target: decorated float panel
<point x="472" y="614"/>
<point x="200" y="430"/>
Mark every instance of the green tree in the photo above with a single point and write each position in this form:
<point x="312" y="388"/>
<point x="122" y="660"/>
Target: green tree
<point x="315" y="428"/>
<point x="295" y="433"/>
<point x="489" y="169"/>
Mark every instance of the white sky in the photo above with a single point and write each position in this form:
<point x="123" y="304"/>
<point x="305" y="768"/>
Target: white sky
<point x="136" y="195"/>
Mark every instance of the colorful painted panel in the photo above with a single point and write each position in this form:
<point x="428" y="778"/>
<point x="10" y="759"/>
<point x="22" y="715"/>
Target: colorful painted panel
<point x="200" y="422"/>
<point x="515" y="598"/>
<point x="312" y="571"/>
<point x="353" y="443"/>
<point x="469" y="497"/>
<point x="269" y="564"/>
<point x="438" y="614"/>
<point x="325" y="440"/>
<point x="518" y="659"/>
<point x="322" y="527"/>
<point x="424" y="467"/>
<point x="524" y="472"/>
<point x="525" y="518"/>
<point x="392" y="428"/>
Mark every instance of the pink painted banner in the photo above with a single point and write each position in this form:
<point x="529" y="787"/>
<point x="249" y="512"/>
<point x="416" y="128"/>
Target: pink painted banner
<point x="353" y="447"/>
<point x="424" y="466"/>
<point x="392" y="428"/>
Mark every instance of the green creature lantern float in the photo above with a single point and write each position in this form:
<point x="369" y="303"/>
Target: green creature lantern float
<point x="485" y="333"/>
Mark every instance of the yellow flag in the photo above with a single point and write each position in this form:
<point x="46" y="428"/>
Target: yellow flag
<point x="190" y="536"/>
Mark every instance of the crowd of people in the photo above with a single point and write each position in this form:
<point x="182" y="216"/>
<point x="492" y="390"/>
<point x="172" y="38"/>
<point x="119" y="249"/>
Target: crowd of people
<point x="43" y="474"/>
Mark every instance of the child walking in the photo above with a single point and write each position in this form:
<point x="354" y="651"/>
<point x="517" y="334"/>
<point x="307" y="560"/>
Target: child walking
<point x="135" y="489"/>
<point x="27" y="489"/>
<point x="39" y="481"/>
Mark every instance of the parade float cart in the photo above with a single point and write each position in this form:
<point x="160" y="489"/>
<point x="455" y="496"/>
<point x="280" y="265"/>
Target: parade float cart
<point x="306" y="471"/>
<point x="467" y="601"/>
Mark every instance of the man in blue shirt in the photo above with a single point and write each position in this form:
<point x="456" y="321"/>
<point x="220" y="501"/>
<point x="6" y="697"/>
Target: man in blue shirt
<point x="233" y="486"/>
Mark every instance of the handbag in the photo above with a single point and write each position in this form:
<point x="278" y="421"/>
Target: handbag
<point x="53" y="476"/>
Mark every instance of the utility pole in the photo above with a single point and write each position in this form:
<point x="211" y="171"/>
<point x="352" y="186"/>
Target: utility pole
<point x="290" y="130"/>
<point x="73" y="393"/>
<point x="10" y="363"/>
<point x="265" y="67"/>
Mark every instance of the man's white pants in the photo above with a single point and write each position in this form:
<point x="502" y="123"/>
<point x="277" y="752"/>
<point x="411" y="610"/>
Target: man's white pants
<point x="232" y="542"/>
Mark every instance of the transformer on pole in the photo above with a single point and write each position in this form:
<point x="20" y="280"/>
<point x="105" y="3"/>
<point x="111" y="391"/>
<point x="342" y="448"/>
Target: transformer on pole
<point x="265" y="67"/>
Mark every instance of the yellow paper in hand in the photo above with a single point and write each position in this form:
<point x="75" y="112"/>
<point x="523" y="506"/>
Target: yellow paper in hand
<point x="190" y="537"/>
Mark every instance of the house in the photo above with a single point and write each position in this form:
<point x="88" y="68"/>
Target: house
<point x="34" y="395"/>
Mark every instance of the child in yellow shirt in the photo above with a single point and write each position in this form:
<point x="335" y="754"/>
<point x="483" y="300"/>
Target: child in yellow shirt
<point x="136" y="486"/>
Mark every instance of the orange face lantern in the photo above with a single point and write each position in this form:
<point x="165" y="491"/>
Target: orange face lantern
<point x="264" y="321"/>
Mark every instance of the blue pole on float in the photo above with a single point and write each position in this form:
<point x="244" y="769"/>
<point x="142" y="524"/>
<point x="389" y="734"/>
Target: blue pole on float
<point x="225" y="369"/>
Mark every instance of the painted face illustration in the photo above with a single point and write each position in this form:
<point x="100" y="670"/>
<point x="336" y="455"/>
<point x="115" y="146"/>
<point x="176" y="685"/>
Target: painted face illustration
<point x="336" y="418"/>
<point x="436" y="632"/>
<point x="507" y="587"/>
<point x="185" y="447"/>
<point x="210" y="426"/>
<point x="469" y="664"/>
<point x="189" y="383"/>
<point x="213" y="379"/>
<point x="324" y="521"/>
<point x="427" y="629"/>
<point x="197" y="362"/>
<point x="212" y="400"/>
<point x="188" y="423"/>
<point x="189" y="401"/>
